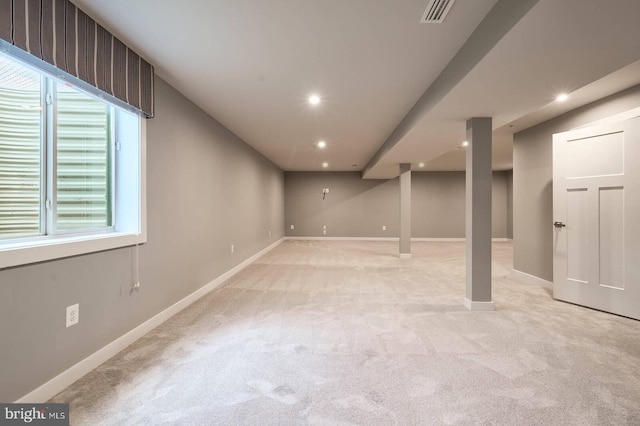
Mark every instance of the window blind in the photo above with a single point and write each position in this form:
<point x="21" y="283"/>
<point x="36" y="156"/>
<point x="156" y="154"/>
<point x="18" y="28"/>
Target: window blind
<point x="59" y="33"/>
<point x="83" y="160"/>
<point x="83" y="148"/>
<point x="20" y="117"/>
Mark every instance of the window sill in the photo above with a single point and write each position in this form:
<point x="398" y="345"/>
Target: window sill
<point x="23" y="253"/>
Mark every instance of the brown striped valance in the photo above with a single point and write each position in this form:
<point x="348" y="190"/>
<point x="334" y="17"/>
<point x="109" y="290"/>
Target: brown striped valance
<point x="59" y="33"/>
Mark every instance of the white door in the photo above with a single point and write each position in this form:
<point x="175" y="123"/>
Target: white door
<point x="596" y="213"/>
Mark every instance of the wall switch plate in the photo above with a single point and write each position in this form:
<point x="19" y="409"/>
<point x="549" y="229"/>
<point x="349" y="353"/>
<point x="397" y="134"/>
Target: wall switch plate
<point x="269" y="232"/>
<point x="73" y="315"/>
<point x="325" y="190"/>
<point x="384" y="227"/>
<point x="324" y="232"/>
<point x="324" y="227"/>
<point x="293" y="227"/>
<point x="232" y="248"/>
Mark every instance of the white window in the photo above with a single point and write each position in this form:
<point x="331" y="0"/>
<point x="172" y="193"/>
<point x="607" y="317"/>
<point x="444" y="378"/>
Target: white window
<point x="71" y="169"/>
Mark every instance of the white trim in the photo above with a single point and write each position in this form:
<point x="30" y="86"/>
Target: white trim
<point x="77" y="371"/>
<point x="479" y="306"/>
<point x="415" y="239"/>
<point x="405" y="255"/>
<point x="439" y="240"/>
<point x="532" y="279"/>
<point x="40" y="250"/>
<point x="342" y="238"/>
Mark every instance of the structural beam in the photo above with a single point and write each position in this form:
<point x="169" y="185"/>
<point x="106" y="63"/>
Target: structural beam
<point x="500" y="19"/>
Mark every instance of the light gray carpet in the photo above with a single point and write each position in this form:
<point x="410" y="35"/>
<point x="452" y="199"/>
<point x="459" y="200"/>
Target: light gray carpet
<point x="338" y="333"/>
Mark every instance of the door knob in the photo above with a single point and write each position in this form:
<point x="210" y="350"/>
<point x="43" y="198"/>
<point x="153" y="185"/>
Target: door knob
<point x="559" y="224"/>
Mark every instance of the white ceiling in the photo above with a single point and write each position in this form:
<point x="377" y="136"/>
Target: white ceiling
<point x="252" y="64"/>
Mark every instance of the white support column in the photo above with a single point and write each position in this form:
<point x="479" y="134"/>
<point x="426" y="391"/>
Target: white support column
<point x="405" y="211"/>
<point x="478" y="215"/>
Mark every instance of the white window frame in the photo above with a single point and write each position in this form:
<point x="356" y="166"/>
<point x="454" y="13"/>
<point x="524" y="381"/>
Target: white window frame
<point x="130" y="206"/>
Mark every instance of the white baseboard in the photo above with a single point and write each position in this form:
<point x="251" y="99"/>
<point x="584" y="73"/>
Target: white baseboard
<point x="77" y="371"/>
<point x="439" y="240"/>
<point x="415" y="239"/>
<point x="532" y="279"/>
<point x="342" y="238"/>
<point x="405" y="255"/>
<point x="459" y="240"/>
<point x="479" y="306"/>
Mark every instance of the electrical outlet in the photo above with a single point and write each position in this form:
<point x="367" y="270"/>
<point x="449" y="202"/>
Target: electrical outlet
<point x="384" y="227"/>
<point x="73" y="315"/>
<point x="324" y="227"/>
<point x="232" y="248"/>
<point x="324" y="232"/>
<point x="293" y="227"/>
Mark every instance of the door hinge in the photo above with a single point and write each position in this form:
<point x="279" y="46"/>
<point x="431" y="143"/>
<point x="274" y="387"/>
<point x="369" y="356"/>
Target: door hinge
<point x="48" y="204"/>
<point x="48" y="99"/>
<point x="118" y="146"/>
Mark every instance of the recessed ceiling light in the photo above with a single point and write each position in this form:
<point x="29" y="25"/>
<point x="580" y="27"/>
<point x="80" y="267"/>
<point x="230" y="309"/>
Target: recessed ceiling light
<point x="314" y="99"/>
<point x="322" y="144"/>
<point x="421" y="165"/>
<point x="562" y="97"/>
<point x="465" y="143"/>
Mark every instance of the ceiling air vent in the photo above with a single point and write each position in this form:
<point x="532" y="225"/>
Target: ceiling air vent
<point x="436" y="11"/>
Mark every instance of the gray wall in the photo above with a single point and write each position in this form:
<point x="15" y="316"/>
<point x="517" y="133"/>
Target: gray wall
<point x="357" y="207"/>
<point x="510" y="204"/>
<point x="354" y="207"/>
<point x="532" y="181"/>
<point x="206" y="190"/>
<point x="499" y="211"/>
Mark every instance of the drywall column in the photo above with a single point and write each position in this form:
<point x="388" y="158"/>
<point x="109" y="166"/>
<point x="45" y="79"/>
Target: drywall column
<point x="405" y="211"/>
<point x="478" y="215"/>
